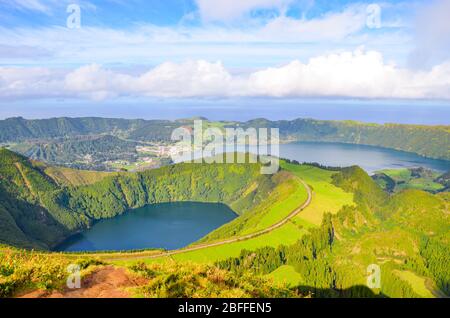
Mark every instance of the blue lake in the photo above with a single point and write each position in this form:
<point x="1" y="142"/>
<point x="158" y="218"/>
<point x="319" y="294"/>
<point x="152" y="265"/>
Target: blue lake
<point x="369" y="158"/>
<point x="168" y="225"/>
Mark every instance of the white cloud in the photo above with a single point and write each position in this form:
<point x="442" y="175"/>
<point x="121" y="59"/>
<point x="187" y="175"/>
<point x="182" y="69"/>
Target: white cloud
<point x="357" y="74"/>
<point x="188" y="79"/>
<point x="150" y="44"/>
<point x="348" y="74"/>
<point x="432" y="32"/>
<point x="33" y="5"/>
<point x="333" y="26"/>
<point x="227" y="10"/>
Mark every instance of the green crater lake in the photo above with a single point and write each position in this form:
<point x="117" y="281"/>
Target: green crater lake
<point x="168" y="225"/>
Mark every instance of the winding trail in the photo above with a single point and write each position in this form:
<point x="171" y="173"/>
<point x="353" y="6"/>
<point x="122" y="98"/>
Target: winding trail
<point x="228" y="241"/>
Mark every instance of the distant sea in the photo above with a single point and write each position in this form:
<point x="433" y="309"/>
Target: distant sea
<point x="405" y="112"/>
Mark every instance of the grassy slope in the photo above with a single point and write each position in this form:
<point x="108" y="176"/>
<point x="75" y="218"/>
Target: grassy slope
<point x="286" y="274"/>
<point x="24" y="271"/>
<point x="326" y="198"/>
<point x="404" y="180"/>
<point x="416" y="282"/>
<point x="74" y="178"/>
<point x="283" y="199"/>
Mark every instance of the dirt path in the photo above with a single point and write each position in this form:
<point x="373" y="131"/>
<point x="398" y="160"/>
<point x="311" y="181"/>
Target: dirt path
<point x="233" y="240"/>
<point x="25" y="179"/>
<point x="105" y="282"/>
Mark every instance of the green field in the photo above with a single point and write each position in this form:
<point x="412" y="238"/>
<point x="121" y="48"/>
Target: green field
<point x="417" y="283"/>
<point x="326" y="196"/>
<point x="286" y="235"/>
<point x="286" y="275"/>
<point x="404" y="179"/>
<point x="72" y="177"/>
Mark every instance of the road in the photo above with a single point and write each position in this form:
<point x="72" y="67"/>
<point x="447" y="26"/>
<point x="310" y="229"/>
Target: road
<point x="228" y="241"/>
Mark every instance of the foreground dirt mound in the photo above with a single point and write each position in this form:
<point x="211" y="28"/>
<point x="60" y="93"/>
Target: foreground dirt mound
<point x="105" y="282"/>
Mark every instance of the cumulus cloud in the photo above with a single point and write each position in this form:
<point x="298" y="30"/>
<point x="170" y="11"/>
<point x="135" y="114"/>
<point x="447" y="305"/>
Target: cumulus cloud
<point x="351" y="74"/>
<point x="357" y="74"/>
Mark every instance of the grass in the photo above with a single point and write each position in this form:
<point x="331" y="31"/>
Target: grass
<point x="72" y="177"/>
<point x="398" y="174"/>
<point x="188" y="280"/>
<point x="326" y="196"/>
<point x="421" y="184"/>
<point x="285" y="235"/>
<point x="287" y="275"/>
<point x="404" y="180"/>
<point x="282" y="208"/>
<point x="417" y="283"/>
<point x="22" y="271"/>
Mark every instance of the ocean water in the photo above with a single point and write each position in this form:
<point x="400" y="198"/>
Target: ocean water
<point x="404" y="112"/>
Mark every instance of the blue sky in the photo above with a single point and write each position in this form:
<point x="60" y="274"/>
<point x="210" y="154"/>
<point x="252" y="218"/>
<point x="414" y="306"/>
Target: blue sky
<point x="224" y="49"/>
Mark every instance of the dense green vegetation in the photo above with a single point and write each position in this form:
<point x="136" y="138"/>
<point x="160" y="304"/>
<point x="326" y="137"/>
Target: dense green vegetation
<point x="21" y="271"/>
<point x="189" y="280"/>
<point x="429" y="141"/>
